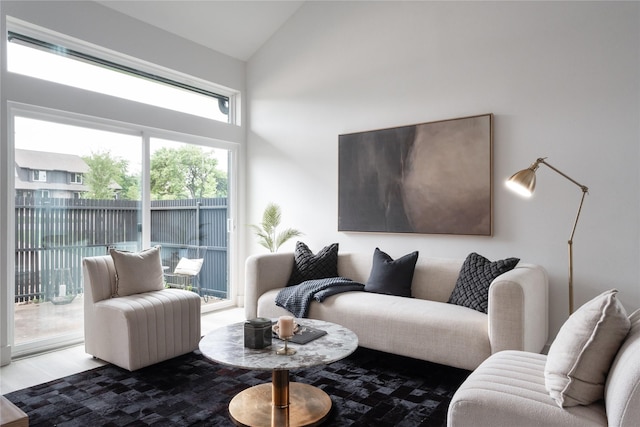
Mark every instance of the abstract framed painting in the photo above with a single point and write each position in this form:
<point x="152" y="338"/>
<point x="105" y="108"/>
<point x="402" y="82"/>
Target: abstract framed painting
<point x="428" y="178"/>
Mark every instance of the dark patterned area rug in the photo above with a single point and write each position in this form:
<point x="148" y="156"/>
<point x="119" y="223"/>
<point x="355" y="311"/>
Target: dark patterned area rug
<point x="369" y="388"/>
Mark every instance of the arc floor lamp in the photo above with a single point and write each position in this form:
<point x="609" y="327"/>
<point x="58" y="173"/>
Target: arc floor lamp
<point x="524" y="183"/>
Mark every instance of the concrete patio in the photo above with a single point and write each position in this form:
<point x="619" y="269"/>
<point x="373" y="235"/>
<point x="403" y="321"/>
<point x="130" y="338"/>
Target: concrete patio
<point x="38" y="321"/>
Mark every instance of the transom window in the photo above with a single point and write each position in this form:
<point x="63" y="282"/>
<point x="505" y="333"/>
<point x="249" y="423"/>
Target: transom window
<point x="53" y="62"/>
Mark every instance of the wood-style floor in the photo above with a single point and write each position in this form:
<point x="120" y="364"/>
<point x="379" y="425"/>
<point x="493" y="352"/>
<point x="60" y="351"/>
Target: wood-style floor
<point x="30" y="371"/>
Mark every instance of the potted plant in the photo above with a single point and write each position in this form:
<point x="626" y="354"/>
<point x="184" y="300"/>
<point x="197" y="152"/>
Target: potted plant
<point x="267" y="233"/>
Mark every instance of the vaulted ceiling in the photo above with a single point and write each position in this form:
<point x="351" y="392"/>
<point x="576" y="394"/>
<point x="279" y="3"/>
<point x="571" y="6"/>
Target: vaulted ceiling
<point x="236" y="28"/>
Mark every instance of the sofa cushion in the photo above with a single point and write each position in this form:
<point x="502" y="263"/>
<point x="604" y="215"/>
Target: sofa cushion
<point x="137" y="272"/>
<point x="581" y="354"/>
<point x="139" y="330"/>
<point x="476" y="275"/>
<point x="429" y="330"/>
<point x="507" y="390"/>
<point x="389" y="276"/>
<point x="307" y="266"/>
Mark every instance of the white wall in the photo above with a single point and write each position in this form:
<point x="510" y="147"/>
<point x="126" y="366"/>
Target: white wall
<point x="561" y="78"/>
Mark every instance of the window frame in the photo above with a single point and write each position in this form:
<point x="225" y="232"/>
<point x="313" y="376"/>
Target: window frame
<point x="23" y="95"/>
<point x="38" y="174"/>
<point x="146" y="134"/>
<point x="19" y="27"/>
<point x="75" y="178"/>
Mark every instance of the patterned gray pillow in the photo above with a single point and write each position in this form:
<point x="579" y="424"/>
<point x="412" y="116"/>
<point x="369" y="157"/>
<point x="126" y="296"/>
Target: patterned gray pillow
<point x="307" y="266"/>
<point x="476" y="275"/>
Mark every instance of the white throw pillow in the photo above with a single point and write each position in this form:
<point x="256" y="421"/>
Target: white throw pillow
<point x="189" y="267"/>
<point x="137" y="272"/>
<point x="581" y="354"/>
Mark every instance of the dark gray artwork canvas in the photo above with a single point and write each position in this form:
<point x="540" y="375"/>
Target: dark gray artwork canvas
<point x="430" y="178"/>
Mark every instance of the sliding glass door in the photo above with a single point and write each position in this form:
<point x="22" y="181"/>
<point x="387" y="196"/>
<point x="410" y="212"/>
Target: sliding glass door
<point x="189" y="215"/>
<point x="82" y="187"/>
<point x="77" y="193"/>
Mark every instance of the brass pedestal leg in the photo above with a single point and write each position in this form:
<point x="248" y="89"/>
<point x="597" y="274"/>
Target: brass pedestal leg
<point x="280" y="388"/>
<point x="280" y="404"/>
<point x="280" y="398"/>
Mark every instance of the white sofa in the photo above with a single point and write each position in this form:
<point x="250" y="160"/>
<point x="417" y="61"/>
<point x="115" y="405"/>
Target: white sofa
<point x="136" y="330"/>
<point x="424" y="327"/>
<point x="508" y="389"/>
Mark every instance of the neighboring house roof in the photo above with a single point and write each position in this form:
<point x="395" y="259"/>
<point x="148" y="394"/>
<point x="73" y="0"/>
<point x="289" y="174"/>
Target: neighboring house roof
<point x="55" y="162"/>
<point x="44" y="161"/>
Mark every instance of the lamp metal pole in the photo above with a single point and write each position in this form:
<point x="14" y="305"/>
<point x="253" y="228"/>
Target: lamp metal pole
<point x="585" y="190"/>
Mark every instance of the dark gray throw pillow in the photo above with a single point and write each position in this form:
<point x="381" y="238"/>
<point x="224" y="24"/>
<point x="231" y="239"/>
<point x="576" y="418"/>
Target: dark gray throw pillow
<point x="476" y="275"/>
<point x="307" y="266"/>
<point x="391" y="277"/>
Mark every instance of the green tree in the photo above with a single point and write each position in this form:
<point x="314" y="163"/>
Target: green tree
<point x="105" y="172"/>
<point x="130" y="187"/>
<point x="185" y="172"/>
<point x="221" y="181"/>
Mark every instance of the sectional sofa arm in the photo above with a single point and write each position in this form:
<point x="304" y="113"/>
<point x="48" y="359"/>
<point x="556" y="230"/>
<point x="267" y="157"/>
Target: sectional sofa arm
<point x="264" y="272"/>
<point x="519" y="309"/>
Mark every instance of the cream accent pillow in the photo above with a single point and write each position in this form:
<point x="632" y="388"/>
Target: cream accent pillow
<point x="137" y="272"/>
<point x="188" y="267"/>
<point x="581" y="354"/>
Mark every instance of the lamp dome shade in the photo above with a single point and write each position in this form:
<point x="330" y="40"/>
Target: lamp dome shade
<point x="523" y="182"/>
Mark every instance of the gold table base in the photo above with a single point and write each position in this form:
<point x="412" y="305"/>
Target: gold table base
<point x="280" y="404"/>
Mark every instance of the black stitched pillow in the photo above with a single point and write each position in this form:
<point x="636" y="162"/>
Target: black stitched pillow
<point x="307" y="266"/>
<point x="476" y="274"/>
<point x="389" y="276"/>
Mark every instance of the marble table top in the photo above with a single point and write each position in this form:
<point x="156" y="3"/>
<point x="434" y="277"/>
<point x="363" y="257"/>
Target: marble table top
<point x="226" y="345"/>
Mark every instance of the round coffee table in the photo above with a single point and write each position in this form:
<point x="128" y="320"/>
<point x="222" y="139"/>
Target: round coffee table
<point x="281" y="402"/>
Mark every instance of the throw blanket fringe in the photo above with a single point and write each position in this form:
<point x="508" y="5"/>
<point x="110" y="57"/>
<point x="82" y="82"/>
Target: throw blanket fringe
<point x="297" y="299"/>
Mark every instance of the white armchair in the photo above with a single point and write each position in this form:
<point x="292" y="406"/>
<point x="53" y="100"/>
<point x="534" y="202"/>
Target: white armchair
<point x="137" y="329"/>
<point x="510" y="388"/>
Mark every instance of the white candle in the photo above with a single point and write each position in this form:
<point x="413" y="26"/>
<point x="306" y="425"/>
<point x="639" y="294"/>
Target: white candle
<point x="62" y="291"/>
<point x="285" y="326"/>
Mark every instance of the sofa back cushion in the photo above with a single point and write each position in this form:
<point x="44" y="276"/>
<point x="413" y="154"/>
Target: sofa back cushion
<point x="354" y="266"/>
<point x="622" y="389"/>
<point x="433" y="278"/>
<point x="99" y="276"/>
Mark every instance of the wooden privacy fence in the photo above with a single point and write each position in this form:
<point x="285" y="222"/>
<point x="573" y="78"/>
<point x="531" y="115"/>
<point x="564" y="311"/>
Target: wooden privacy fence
<point x="53" y="235"/>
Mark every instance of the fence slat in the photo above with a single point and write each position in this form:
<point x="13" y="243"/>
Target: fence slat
<point x="55" y="234"/>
